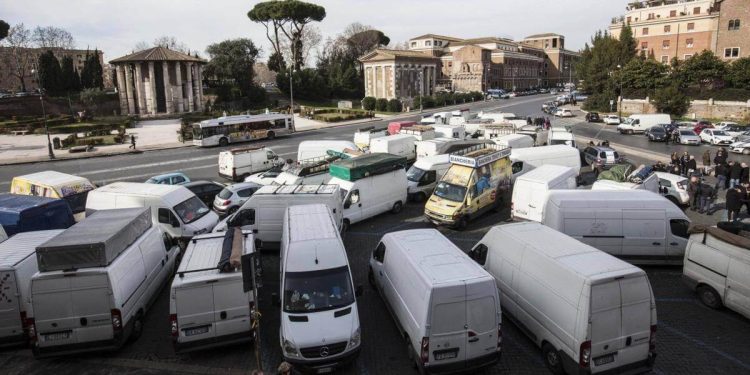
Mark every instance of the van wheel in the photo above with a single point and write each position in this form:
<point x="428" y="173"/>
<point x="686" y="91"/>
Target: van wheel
<point x="552" y="359"/>
<point x="271" y="135"/>
<point x="746" y="151"/>
<point x="709" y="297"/>
<point x="137" y="328"/>
<point x="223" y="142"/>
<point x="397" y="207"/>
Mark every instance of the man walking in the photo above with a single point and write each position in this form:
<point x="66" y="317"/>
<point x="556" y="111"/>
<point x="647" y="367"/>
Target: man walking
<point x="720" y="172"/>
<point x="683" y="163"/>
<point x="735" y="172"/>
<point x="706" y="197"/>
<point x="132" y="141"/>
<point x="693" y="190"/>
<point x="734" y="203"/>
<point x="706" y="161"/>
<point x="692" y="166"/>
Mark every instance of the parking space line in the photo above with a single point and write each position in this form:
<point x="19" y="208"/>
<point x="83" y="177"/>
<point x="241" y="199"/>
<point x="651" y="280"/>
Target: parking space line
<point x="704" y="345"/>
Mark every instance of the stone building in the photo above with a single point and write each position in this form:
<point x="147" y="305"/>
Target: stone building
<point x="28" y="59"/>
<point x="682" y="28"/>
<point x="159" y="80"/>
<point x="399" y="74"/>
<point x="559" y="64"/>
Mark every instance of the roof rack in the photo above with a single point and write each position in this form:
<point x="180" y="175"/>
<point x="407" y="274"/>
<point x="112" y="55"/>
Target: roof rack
<point x="303" y="189"/>
<point x="246" y="149"/>
<point x="478" y="155"/>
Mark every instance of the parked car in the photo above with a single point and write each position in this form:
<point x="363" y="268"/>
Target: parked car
<point x="593" y="117"/>
<point x="233" y="197"/>
<point x="716" y="137"/>
<point x="564" y="112"/>
<point x="731" y="128"/>
<point x="611" y="120"/>
<point x="656" y="134"/>
<point x="740" y="147"/>
<point x="176" y="178"/>
<point x="743" y="136"/>
<point x="698" y="128"/>
<point x="205" y="190"/>
<point x="673" y="187"/>
<point x="601" y="157"/>
<point x="687" y="137"/>
<point x="267" y="177"/>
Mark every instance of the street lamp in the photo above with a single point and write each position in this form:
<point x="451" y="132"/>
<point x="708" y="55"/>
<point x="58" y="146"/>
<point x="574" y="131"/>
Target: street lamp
<point x="619" y="94"/>
<point x="35" y="71"/>
<point x="291" y="89"/>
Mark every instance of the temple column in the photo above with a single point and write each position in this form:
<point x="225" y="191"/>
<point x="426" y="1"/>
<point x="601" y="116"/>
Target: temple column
<point x="189" y="81"/>
<point x="129" y="90"/>
<point x="196" y="84"/>
<point x="167" y="87"/>
<point x="152" y="86"/>
<point x="178" y="83"/>
<point x="200" y="86"/>
<point x="121" y="91"/>
<point x="140" y="90"/>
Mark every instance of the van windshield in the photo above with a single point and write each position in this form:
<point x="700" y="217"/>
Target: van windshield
<point x="450" y="192"/>
<point x="306" y="292"/>
<point x="414" y="174"/>
<point x="191" y="210"/>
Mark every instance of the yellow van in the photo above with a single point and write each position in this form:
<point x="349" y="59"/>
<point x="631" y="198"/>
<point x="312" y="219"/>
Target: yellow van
<point x="478" y="180"/>
<point x="51" y="184"/>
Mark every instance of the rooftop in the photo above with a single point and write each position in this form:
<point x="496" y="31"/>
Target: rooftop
<point x="392" y="53"/>
<point x="545" y="35"/>
<point x="157" y="54"/>
<point x="435" y="36"/>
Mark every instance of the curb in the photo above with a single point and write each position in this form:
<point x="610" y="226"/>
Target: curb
<point x="92" y="156"/>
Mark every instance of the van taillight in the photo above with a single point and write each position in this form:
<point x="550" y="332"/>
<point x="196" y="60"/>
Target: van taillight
<point x="584" y="359"/>
<point x="499" y="338"/>
<point x="424" y="353"/>
<point x="652" y="340"/>
<point x="116" y="320"/>
<point x="174" y="329"/>
<point x="31" y="329"/>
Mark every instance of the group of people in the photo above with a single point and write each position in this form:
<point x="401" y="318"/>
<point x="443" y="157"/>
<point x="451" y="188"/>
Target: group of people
<point x="540" y="122"/>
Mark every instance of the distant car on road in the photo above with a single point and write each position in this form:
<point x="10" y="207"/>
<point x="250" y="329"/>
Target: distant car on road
<point x="233" y="196"/>
<point x="564" y="112"/>
<point x="593" y="117"/>
<point x="687" y="137"/>
<point x="176" y="178"/>
<point x="740" y="147"/>
<point x="205" y="190"/>
<point x="702" y="125"/>
<point x="612" y="120"/>
<point x="731" y="128"/>
<point x="601" y="157"/>
<point x="716" y="137"/>
<point x="656" y="134"/>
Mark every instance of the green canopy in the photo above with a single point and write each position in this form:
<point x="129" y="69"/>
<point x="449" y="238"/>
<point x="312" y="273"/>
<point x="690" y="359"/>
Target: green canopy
<point x="366" y="165"/>
<point x="618" y="173"/>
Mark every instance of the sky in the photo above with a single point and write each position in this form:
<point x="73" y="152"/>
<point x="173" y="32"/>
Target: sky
<point x="115" y="26"/>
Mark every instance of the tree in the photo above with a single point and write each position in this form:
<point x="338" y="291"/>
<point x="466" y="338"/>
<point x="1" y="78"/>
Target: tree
<point x="295" y="16"/>
<point x="53" y="37"/>
<point x="267" y="14"/>
<point x="50" y="74"/>
<point x="21" y="61"/>
<point x="671" y="100"/>
<point x="4" y="27"/>
<point x="368" y="103"/>
<point x="394" y="105"/>
<point x="739" y="73"/>
<point x="596" y="68"/>
<point x="171" y="43"/>
<point x="627" y="45"/>
<point x="643" y="76"/>
<point x="310" y="41"/>
<point x="308" y="84"/>
<point x="70" y="81"/>
<point x="92" y="73"/>
<point x="705" y="70"/>
<point x="142" y="45"/>
<point x="233" y="60"/>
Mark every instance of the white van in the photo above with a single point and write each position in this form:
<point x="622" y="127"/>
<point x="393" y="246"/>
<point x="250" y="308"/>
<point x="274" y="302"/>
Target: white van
<point x="397" y="144"/>
<point x="514" y="141"/>
<point x="640" y="123"/>
<point x="3" y="235"/>
<point x="530" y="190"/>
<point x="207" y="304"/>
<point x="419" y="132"/>
<point x="424" y="174"/>
<point x="238" y="163"/>
<point x="561" y="136"/>
<point x="439" y="146"/>
<point x="17" y="265"/>
<point x="362" y="137"/>
<point x="449" y="131"/>
<point x="372" y="196"/>
<point x="317" y="149"/>
<point x="717" y="267"/>
<point x="636" y="225"/>
<point x="319" y="316"/>
<point x="79" y="308"/>
<point x="526" y="159"/>
<point x="309" y="172"/>
<point x="588" y="311"/>
<point x="263" y="213"/>
<point x="445" y="306"/>
<point x="179" y="212"/>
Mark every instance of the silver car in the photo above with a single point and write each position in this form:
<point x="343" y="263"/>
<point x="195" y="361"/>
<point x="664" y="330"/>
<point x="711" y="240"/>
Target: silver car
<point x="688" y="137"/>
<point x="233" y="196"/>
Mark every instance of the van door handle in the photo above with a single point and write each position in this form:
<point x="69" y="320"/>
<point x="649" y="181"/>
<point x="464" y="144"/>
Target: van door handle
<point x="380" y="273"/>
<point x="628" y="341"/>
<point x="359" y="205"/>
<point x="673" y="243"/>
<point x="656" y="243"/>
<point x="474" y="339"/>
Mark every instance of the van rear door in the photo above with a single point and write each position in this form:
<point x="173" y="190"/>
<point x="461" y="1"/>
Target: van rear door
<point x="231" y="313"/>
<point x="481" y="319"/>
<point x="448" y="337"/>
<point x="620" y="322"/>
<point x="531" y="201"/>
<point x="195" y="312"/>
<point x="10" y="305"/>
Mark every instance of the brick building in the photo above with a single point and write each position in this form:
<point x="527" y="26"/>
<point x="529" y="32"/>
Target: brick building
<point x="435" y="63"/>
<point x="559" y="64"/>
<point x="28" y="59"/>
<point x="682" y="28"/>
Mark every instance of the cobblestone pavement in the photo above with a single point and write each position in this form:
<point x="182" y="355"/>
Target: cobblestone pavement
<point x="692" y="339"/>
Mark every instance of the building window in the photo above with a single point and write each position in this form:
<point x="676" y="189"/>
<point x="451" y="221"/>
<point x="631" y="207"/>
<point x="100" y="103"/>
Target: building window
<point x="697" y="10"/>
<point x="664" y="59"/>
<point x="688" y="56"/>
<point x="734" y="24"/>
<point x="673" y="13"/>
<point x="667" y="28"/>
<point x="650" y="16"/>
<point x="644" y="46"/>
<point x="554" y="43"/>
<point x="665" y="44"/>
<point x="628" y="19"/>
<point x="428" y="43"/>
<point x="645" y="31"/>
<point x="732" y="52"/>
<point x="413" y="44"/>
<point x="691" y="26"/>
<point x="689" y="42"/>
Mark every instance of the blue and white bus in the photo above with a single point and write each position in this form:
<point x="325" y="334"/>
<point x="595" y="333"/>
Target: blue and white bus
<point x="241" y="128"/>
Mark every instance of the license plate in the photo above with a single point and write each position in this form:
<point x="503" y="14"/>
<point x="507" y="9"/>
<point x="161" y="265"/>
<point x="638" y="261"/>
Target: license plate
<point x="196" y="331"/>
<point x="325" y="370"/>
<point x="446" y="354"/>
<point x="57" y="336"/>
<point x="604" y="360"/>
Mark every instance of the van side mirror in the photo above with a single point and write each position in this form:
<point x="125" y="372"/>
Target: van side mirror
<point x="347" y="204"/>
<point x="275" y="299"/>
<point x="359" y="291"/>
<point x="174" y="222"/>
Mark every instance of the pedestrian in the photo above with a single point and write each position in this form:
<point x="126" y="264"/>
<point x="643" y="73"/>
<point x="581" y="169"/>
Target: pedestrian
<point x="683" y="163"/>
<point x="285" y="368"/>
<point x="528" y="120"/>
<point x="605" y="143"/>
<point x="745" y="196"/>
<point x="733" y="203"/>
<point x="745" y="175"/>
<point x="667" y="137"/>
<point x="132" y="141"/>
<point x="675" y="159"/>
<point x="706" y="196"/>
<point x="735" y="172"/>
<point x="692" y="165"/>
<point x="693" y="190"/>
<point x="721" y="157"/>
<point x="720" y="173"/>
<point x="726" y="175"/>
<point x="706" y="161"/>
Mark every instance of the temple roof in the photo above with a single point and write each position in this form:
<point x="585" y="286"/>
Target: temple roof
<point x="157" y="54"/>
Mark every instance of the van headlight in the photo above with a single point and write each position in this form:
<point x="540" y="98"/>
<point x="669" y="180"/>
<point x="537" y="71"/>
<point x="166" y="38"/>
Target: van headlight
<point x="289" y="349"/>
<point x="354" y="340"/>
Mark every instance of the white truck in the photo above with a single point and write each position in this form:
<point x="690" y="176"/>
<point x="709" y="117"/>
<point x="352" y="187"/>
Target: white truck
<point x="419" y="132"/>
<point x="398" y="144"/>
<point x="640" y="123"/>
<point x="236" y="164"/>
<point x="561" y="136"/>
<point x="362" y="137"/>
<point x="439" y="146"/>
<point x="424" y="174"/>
<point x="305" y="172"/>
<point x="530" y="190"/>
<point x="319" y="149"/>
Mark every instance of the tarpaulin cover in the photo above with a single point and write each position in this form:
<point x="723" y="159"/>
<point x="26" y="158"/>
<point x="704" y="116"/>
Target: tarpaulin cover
<point x="617" y="173"/>
<point x="724" y="232"/>
<point x="96" y="241"/>
<point x="366" y="165"/>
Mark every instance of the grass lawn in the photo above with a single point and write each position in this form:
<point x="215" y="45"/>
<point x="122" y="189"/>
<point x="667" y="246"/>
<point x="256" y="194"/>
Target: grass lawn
<point x="329" y="117"/>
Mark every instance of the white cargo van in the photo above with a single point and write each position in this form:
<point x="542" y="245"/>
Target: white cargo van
<point x="717" y="267"/>
<point x="530" y="190"/>
<point x="236" y="164"/>
<point x="263" y="213"/>
<point x="319" y="316"/>
<point x="207" y="304"/>
<point x="449" y="131"/>
<point x="398" y="144"/>
<point x="420" y="132"/>
<point x="424" y="174"/>
<point x="362" y="137"/>
<point x="372" y="196"/>
<point x="3" y="235"/>
<point x="81" y="308"/>
<point x="526" y="159"/>
<point x="439" y="146"/>
<point x="17" y="266"/>
<point x="179" y="212"/>
<point x="588" y="311"/>
<point x="445" y="306"/>
<point x="636" y="225"/>
<point x="514" y="141"/>
<point x="561" y="136"/>
<point x="640" y="123"/>
<point x="319" y="149"/>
